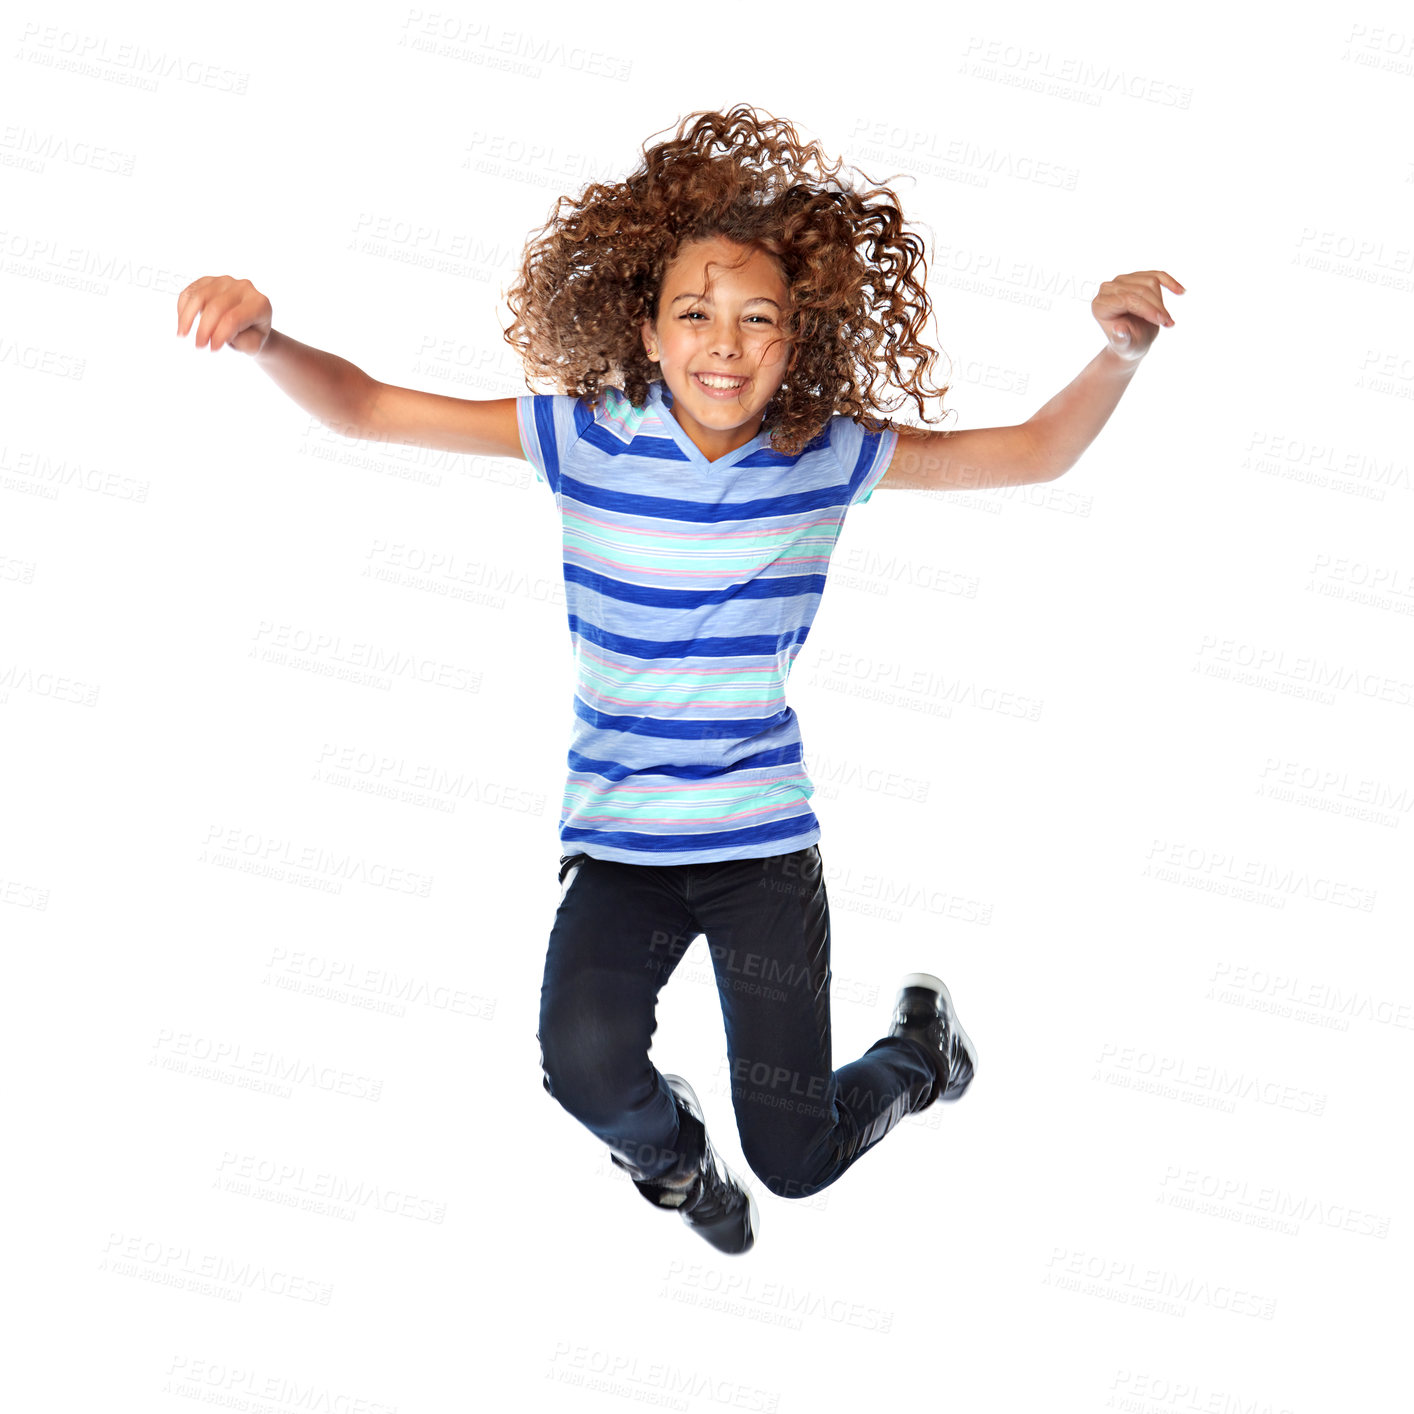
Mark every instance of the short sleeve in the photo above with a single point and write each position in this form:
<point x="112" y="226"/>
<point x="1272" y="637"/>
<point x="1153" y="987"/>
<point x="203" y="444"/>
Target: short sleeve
<point x="550" y="424"/>
<point x="865" y="456"/>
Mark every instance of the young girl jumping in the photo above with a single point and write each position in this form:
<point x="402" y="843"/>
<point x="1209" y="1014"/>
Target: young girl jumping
<point x="719" y="325"/>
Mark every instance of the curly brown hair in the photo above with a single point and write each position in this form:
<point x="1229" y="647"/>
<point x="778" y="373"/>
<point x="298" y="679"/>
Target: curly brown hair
<point x="855" y="276"/>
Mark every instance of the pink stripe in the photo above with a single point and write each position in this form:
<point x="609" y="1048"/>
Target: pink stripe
<point x="677" y="788"/>
<point x="749" y="703"/>
<point x="695" y="822"/>
<point x="619" y="567"/>
<point x="823" y="520"/>
<point x="696" y="672"/>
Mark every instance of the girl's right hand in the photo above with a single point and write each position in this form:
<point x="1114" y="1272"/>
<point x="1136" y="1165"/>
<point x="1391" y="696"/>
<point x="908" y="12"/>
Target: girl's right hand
<point x="232" y="312"/>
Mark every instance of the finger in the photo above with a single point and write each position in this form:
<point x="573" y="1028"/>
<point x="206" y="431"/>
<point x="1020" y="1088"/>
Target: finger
<point x="1154" y="313"/>
<point x="236" y="314"/>
<point x="220" y="328"/>
<point x="217" y="295"/>
<point x="189" y="302"/>
<point x="1160" y="280"/>
<point x="230" y="321"/>
<point x="203" y="318"/>
<point x="1144" y="299"/>
<point x="235" y="319"/>
<point x="1135" y="299"/>
<point x="211" y="316"/>
<point x="196" y="312"/>
<point x="1155" y="279"/>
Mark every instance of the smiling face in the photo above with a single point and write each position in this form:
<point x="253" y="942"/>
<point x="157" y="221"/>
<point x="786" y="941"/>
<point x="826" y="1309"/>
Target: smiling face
<point x="727" y="320"/>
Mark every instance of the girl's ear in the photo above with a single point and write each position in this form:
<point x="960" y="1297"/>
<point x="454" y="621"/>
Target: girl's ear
<point x="650" y="339"/>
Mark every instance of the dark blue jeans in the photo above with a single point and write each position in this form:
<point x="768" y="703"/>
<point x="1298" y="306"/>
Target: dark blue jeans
<point x="619" y="932"/>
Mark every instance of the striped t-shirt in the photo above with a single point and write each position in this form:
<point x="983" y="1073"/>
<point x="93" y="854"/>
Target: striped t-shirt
<point x="690" y="587"/>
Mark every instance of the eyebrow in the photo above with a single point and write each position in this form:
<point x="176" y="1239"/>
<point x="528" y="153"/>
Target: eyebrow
<point x="755" y="299"/>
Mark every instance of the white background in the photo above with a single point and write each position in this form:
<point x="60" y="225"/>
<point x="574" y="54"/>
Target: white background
<point x="1123" y="757"/>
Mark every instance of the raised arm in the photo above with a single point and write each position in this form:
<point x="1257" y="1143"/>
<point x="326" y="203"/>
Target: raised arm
<point x="1130" y="309"/>
<point x="340" y="394"/>
<point x="485" y="427"/>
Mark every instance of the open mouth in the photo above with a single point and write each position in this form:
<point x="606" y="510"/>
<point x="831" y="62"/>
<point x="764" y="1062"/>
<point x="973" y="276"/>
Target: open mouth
<point x="719" y="386"/>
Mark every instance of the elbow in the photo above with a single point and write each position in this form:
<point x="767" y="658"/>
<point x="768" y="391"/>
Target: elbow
<point x="1045" y="470"/>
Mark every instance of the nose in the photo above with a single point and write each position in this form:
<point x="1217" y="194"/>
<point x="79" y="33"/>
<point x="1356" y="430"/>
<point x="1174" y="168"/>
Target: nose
<point x="727" y="342"/>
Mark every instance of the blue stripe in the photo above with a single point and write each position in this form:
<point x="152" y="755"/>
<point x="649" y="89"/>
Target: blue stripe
<point x="544" y="409"/>
<point x="643" y="444"/>
<point x="763" y="587"/>
<point x="718" y="839"/>
<point x="868" y="450"/>
<point x="631" y="503"/>
<point x="545" y="430"/>
<point x="757" y="645"/>
<point x="680" y="728"/>
<point x="615" y="771"/>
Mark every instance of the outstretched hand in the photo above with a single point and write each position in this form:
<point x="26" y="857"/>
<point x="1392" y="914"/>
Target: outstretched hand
<point x="232" y="312"/>
<point x="1130" y="309"/>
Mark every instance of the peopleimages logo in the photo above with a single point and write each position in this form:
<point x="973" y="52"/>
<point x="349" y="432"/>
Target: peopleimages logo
<point x="1092" y="1274"/>
<point x="1260" y="1205"/>
<point x="776" y="1303"/>
<point x="1210" y="1085"/>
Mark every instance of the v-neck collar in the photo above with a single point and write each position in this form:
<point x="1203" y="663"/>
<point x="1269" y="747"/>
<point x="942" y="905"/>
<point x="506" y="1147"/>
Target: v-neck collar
<point x="660" y="399"/>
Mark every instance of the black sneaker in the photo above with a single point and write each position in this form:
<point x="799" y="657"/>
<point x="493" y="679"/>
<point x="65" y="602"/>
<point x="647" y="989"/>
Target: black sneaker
<point x="711" y="1199"/>
<point x="924" y="1013"/>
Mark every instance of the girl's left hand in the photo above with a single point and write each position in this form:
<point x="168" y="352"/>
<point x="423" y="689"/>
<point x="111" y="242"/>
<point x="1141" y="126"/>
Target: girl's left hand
<point x="1130" y="309"/>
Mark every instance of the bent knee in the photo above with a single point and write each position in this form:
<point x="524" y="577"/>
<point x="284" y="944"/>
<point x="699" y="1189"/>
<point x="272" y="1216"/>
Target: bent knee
<point x="789" y="1186"/>
<point x="788" y="1175"/>
<point x="588" y="1068"/>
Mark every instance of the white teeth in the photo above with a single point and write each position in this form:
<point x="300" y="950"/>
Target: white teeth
<point x="723" y="383"/>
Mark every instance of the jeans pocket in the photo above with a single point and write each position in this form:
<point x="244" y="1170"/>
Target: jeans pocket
<point x="569" y="865"/>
